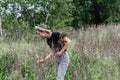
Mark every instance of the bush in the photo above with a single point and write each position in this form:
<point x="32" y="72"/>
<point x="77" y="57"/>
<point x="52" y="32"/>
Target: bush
<point x="6" y="65"/>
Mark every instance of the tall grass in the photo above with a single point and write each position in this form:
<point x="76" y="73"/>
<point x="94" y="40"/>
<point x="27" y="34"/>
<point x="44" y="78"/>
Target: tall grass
<point x="94" y="55"/>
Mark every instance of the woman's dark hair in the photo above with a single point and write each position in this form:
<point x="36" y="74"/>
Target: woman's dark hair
<point x="60" y="42"/>
<point x="62" y="35"/>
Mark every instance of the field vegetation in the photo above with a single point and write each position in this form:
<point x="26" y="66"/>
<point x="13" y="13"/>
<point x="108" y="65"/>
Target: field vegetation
<point x="94" y="55"/>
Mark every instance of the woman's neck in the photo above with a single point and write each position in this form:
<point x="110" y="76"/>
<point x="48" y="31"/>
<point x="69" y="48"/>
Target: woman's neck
<point x="49" y="35"/>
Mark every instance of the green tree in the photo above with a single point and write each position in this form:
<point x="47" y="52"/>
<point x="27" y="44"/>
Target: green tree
<point x="60" y="13"/>
<point x="95" y="12"/>
<point x="54" y="13"/>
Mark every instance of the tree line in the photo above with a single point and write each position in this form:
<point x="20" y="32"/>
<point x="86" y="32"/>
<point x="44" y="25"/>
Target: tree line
<point x="25" y="14"/>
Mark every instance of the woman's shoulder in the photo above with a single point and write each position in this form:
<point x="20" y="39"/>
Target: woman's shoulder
<point x="55" y="33"/>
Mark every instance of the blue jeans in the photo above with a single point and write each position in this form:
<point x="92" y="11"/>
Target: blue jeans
<point x="62" y="64"/>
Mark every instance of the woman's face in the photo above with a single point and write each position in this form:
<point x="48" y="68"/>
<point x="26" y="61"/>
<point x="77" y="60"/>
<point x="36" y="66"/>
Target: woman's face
<point x="41" y="34"/>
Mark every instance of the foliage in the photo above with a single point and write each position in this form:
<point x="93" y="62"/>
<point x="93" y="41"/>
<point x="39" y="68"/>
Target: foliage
<point x="94" y="55"/>
<point x="95" y="12"/>
<point x="6" y="64"/>
<point x="58" y="14"/>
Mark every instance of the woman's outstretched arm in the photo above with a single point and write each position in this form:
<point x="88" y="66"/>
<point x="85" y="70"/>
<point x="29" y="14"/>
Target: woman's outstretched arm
<point x="46" y="58"/>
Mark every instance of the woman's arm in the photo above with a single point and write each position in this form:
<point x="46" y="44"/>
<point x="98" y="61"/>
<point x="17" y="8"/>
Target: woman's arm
<point x="67" y="42"/>
<point x="46" y="58"/>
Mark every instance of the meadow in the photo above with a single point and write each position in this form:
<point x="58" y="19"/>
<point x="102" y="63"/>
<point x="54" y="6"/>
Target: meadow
<point x="94" y="55"/>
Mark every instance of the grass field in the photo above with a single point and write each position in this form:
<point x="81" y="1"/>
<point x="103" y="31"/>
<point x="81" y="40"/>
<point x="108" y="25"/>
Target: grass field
<point x="94" y="55"/>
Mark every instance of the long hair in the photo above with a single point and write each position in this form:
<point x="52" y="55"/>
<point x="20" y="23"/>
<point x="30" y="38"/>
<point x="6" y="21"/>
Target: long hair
<point x="60" y="44"/>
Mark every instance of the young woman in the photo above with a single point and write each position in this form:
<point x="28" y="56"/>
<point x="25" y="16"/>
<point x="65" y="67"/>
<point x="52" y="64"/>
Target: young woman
<point x="58" y="44"/>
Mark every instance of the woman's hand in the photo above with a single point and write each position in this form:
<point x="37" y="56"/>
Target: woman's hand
<point x="59" y="53"/>
<point x="40" y="61"/>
